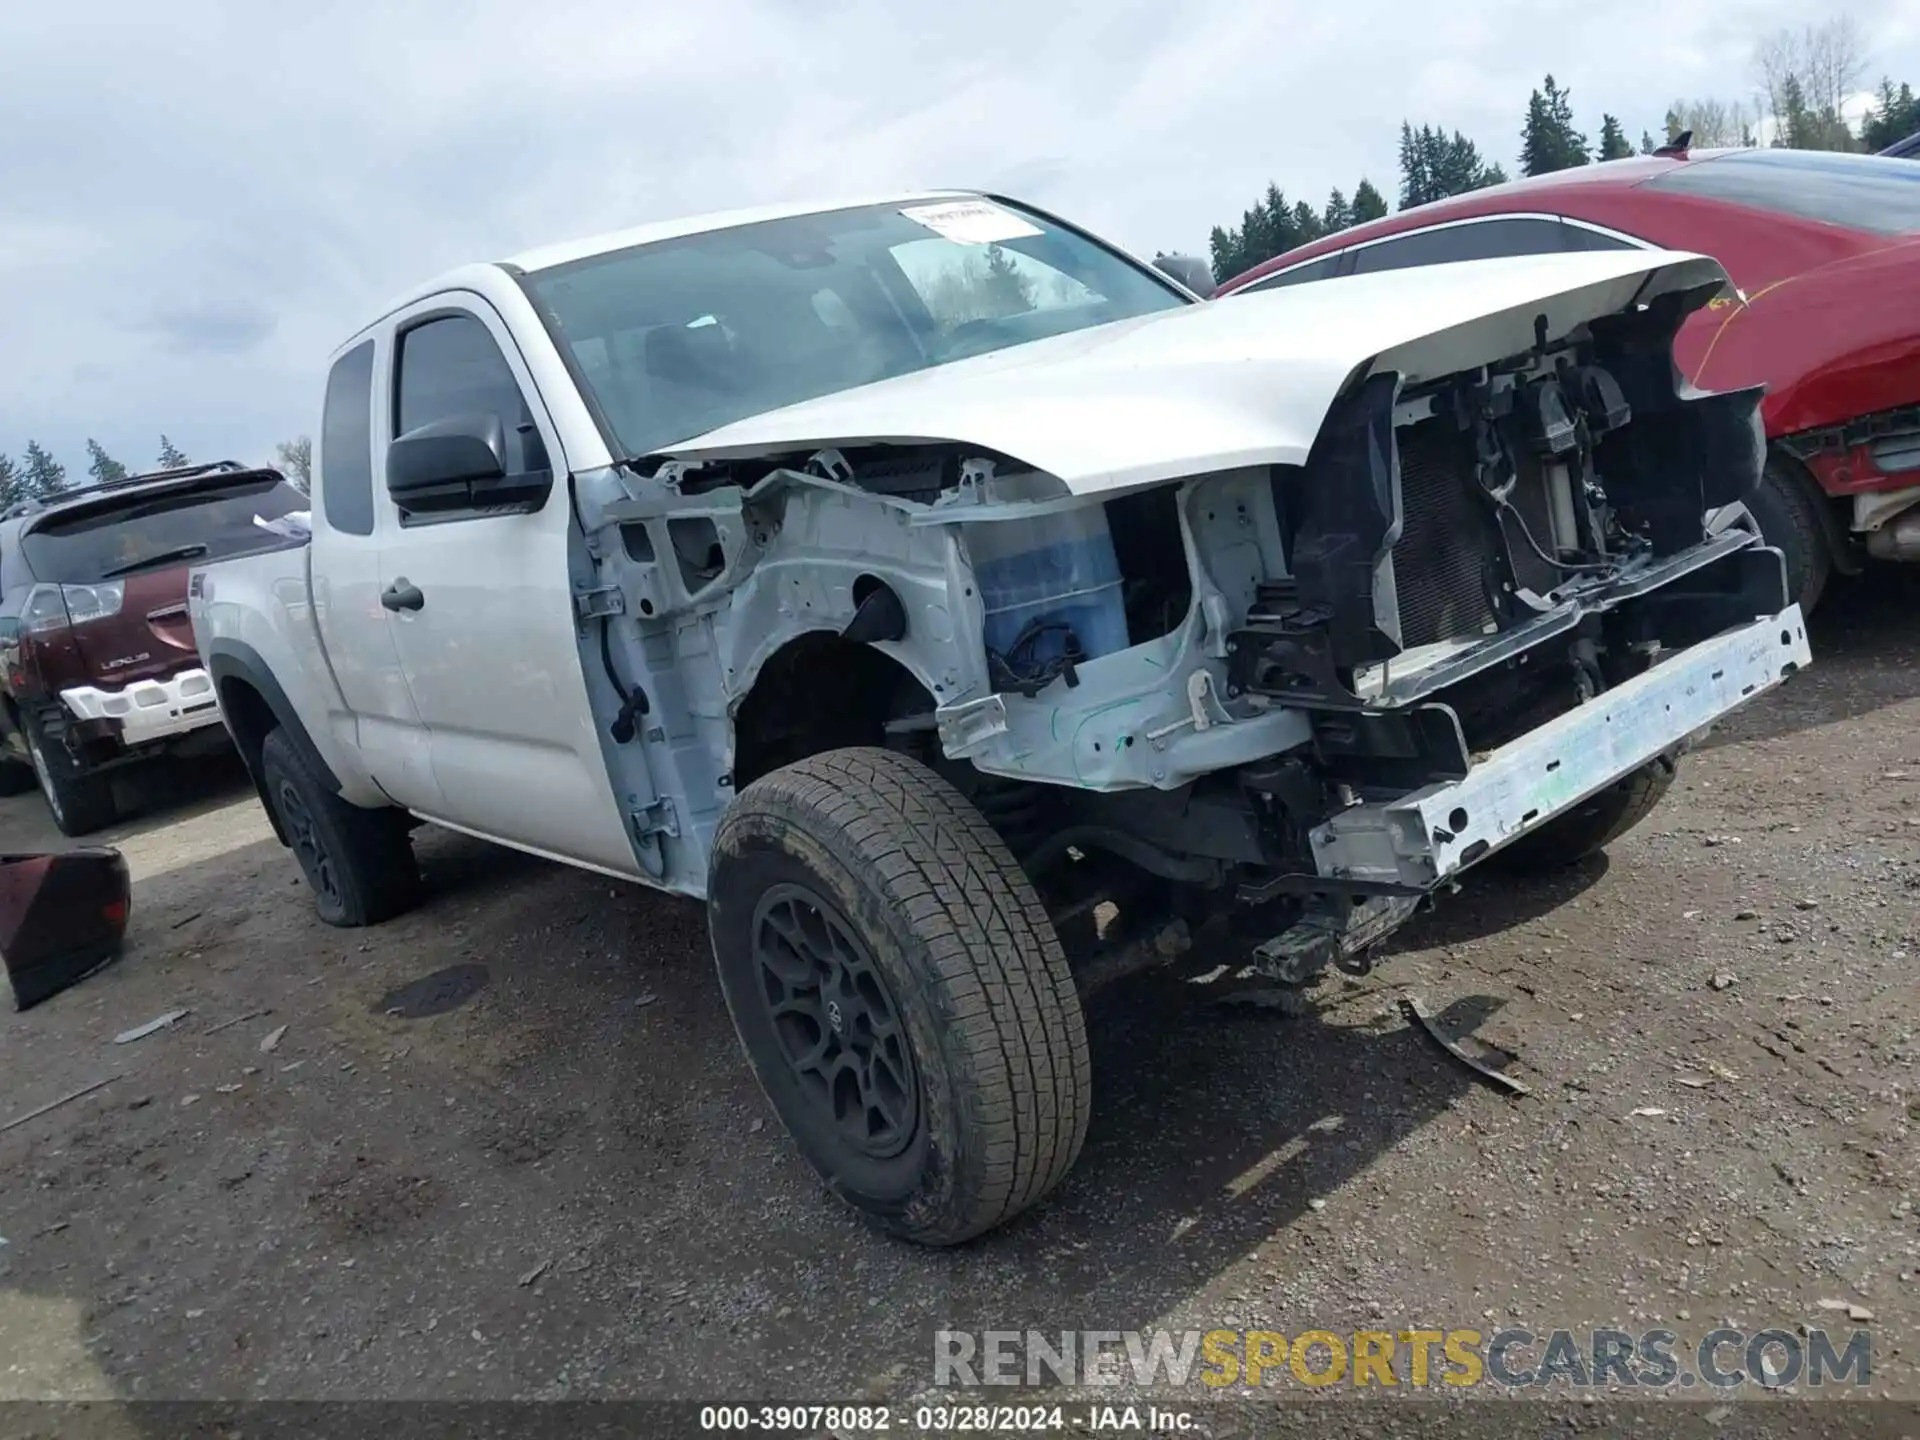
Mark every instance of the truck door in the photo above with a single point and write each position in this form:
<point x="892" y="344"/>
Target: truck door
<point x="481" y="608"/>
<point x="381" y="719"/>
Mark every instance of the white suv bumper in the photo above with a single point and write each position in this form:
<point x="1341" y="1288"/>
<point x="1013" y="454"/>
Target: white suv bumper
<point x="150" y="709"/>
<point x="1420" y="839"/>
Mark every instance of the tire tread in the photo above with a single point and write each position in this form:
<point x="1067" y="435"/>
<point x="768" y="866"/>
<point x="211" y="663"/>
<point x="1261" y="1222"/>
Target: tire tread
<point x="1009" y="998"/>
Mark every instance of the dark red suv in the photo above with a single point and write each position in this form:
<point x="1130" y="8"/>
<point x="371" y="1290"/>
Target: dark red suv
<point x="97" y="663"/>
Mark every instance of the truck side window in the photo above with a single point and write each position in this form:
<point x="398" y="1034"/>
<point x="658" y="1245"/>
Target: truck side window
<point x="450" y="366"/>
<point x="346" y="443"/>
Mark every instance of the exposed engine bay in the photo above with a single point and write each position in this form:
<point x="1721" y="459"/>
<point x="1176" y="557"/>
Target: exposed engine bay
<point x="1306" y="691"/>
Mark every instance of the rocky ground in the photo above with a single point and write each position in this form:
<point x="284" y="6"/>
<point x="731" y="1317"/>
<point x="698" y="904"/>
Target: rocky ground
<point x="566" y="1184"/>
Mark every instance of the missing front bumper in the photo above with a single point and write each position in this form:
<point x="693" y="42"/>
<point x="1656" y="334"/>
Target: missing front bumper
<point x="1420" y="839"/>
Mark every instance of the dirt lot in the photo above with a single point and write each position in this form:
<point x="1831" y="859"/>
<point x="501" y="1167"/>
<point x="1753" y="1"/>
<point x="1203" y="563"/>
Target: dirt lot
<point x="568" y="1185"/>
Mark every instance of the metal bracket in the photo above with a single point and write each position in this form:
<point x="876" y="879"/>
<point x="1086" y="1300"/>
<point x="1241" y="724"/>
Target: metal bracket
<point x="656" y="818"/>
<point x="966" y="726"/>
<point x="603" y="600"/>
<point x="1322" y="938"/>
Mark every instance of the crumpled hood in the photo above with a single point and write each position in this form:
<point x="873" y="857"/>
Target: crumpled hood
<point x="1241" y="381"/>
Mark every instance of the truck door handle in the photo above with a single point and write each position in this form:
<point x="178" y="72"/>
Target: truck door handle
<point x="402" y="596"/>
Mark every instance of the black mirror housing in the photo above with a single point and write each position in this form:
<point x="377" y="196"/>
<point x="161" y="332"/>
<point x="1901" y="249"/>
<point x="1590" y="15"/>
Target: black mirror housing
<point x="459" y="464"/>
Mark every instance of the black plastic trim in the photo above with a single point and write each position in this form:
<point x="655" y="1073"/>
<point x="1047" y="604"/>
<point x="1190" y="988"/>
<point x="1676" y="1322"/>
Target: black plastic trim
<point x="236" y="660"/>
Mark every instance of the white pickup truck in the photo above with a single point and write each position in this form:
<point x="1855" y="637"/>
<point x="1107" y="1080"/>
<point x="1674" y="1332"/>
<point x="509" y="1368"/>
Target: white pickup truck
<point x="964" y="609"/>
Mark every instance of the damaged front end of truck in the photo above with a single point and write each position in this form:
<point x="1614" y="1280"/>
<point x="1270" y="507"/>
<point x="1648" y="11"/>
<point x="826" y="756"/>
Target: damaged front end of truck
<point x="1207" y="622"/>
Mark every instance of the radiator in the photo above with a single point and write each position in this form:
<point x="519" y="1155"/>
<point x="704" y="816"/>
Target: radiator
<point x="1445" y="559"/>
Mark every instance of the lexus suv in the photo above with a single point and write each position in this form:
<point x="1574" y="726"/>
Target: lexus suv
<point x="97" y="661"/>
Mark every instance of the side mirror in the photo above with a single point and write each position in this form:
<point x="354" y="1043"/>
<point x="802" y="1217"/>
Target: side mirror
<point x="1190" y="270"/>
<point x="459" y="464"/>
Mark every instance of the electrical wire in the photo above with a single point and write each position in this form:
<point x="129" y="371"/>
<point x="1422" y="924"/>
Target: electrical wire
<point x="1501" y="502"/>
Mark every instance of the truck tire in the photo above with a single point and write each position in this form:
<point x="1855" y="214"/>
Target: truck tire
<point x="359" y="863"/>
<point x="1595" y="822"/>
<point x="899" y="992"/>
<point x="81" y="803"/>
<point x="1785" y="510"/>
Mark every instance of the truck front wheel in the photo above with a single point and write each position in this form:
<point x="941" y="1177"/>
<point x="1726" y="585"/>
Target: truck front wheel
<point x="899" y="992"/>
<point x="359" y="863"/>
<point x="1595" y="822"/>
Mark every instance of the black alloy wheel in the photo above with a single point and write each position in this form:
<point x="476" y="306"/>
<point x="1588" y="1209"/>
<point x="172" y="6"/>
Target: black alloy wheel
<point x="838" y="1026"/>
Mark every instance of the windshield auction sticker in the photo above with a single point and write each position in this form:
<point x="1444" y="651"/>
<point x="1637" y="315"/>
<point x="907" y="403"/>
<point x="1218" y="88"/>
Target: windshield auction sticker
<point x="971" y="222"/>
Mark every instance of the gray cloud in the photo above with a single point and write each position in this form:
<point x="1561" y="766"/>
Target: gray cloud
<point x="220" y="330"/>
<point x="199" y="200"/>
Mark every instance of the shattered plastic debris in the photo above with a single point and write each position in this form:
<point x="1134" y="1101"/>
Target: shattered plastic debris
<point x="1853" y="1312"/>
<point x="272" y="1039"/>
<point x="1416" y="1010"/>
<point x="140" y="1032"/>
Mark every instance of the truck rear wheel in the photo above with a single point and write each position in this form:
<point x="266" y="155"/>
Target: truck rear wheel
<point x="899" y="992"/>
<point x="1595" y="822"/>
<point x="359" y="863"/>
<point x="81" y="803"/>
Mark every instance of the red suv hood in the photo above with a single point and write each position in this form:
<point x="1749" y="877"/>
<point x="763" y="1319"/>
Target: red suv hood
<point x="1830" y="344"/>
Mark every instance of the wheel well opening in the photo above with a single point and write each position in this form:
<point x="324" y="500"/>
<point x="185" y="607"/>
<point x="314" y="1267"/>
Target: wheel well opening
<point x="820" y="692"/>
<point x="248" y="716"/>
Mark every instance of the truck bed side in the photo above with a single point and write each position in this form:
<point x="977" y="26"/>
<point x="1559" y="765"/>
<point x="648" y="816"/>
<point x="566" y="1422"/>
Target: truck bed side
<point x="256" y="624"/>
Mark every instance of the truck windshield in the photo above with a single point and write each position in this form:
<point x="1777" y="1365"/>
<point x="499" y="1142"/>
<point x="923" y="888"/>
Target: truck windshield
<point x="681" y="336"/>
<point x="150" y="531"/>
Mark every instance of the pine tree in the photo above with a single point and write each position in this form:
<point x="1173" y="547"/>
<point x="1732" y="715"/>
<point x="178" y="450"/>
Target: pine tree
<point x="1009" y="291"/>
<point x="102" y="466"/>
<point x="1797" y="125"/>
<point x="1307" y="225"/>
<point x="1894" y="116"/>
<point x="1338" y="215"/>
<point x="1647" y="146"/>
<point x="1574" y="144"/>
<point x="42" y="475"/>
<point x="1434" y="165"/>
<point x="1223" y="248"/>
<point x="12" y="486"/>
<point x="1613" y="140"/>
<point x="171" y="456"/>
<point x="1548" y="141"/>
<point x="1368" y="203"/>
<point x="1459" y="167"/>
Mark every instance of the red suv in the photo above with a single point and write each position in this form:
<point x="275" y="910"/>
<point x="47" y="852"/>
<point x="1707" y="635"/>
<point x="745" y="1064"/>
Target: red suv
<point x="97" y="662"/>
<point x="1826" y="251"/>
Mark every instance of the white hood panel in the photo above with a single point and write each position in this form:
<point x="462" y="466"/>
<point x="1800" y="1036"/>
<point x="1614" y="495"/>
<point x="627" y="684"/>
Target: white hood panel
<point x="1240" y="381"/>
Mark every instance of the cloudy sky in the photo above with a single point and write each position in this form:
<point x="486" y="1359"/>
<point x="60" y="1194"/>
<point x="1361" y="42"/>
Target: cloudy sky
<point x="200" y="198"/>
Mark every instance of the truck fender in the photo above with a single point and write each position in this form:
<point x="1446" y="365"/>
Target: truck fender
<point x="253" y="703"/>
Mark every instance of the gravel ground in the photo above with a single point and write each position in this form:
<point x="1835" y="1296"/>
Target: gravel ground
<point x="568" y="1185"/>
